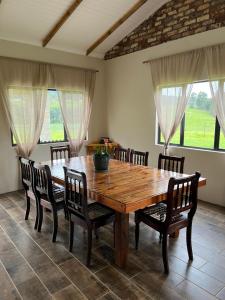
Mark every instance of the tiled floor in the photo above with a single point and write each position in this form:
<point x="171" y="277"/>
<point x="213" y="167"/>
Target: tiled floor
<point x="32" y="267"/>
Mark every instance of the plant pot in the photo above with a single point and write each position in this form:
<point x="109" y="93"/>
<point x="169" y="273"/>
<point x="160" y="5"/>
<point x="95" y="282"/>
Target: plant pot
<point x="101" y="161"/>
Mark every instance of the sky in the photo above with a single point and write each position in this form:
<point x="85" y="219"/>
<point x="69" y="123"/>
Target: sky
<point x="201" y="87"/>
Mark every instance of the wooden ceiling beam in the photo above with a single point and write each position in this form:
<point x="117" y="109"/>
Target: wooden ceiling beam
<point x="118" y="23"/>
<point x="60" y="22"/>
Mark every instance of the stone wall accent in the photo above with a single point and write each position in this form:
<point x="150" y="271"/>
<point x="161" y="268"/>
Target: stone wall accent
<point x="175" y="19"/>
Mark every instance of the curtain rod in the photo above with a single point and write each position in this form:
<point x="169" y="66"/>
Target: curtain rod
<point x="47" y="63"/>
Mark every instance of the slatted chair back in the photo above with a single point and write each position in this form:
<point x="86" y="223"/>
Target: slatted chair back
<point x="42" y="182"/>
<point x="182" y="196"/>
<point x="26" y="172"/>
<point x="60" y="152"/>
<point x="171" y="163"/>
<point x="122" y="154"/>
<point x="76" y="193"/>
<point x="139" y="158"/>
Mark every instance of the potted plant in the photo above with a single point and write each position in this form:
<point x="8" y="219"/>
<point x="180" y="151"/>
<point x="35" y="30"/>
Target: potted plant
<point x="101" y="159"/>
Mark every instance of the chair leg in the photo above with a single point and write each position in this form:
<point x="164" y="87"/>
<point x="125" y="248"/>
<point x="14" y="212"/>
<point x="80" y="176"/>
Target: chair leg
<point x="160" y="237"/>
<point x="37" y="214"/>
<point x="137" y="230"/>
<point x="71" y="236"/>
<point x="40" y="217"/>
<point x="96" y="234"/>
<point x="55" y="224"/>
<point x="114" y="236"/>
<point x="28" y="207"/>
<point x="66" y="214"/>
<point x="89" y="246"/>
<point x="188" y="239"/>
<point x="164" y="253"/>
<point x="161" y="216"/>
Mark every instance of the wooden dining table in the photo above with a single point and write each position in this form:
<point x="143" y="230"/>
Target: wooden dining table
<point x="125" y="187"/>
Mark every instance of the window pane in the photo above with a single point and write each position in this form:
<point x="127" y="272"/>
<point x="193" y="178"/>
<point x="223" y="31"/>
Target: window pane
<point x="199" y="120"/>
<point x="53" y="129"/>
<point x="222" y="137"/>
<point x="222" y="140"/>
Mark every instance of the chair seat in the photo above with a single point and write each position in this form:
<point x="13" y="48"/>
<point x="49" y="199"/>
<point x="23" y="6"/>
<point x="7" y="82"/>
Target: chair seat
<point x="58" y="192"/>
<point x="97" y="211"/>
<point x="157" y="213"/>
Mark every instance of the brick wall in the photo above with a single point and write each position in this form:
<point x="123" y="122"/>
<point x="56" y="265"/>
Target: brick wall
<point x="174" y="20"/>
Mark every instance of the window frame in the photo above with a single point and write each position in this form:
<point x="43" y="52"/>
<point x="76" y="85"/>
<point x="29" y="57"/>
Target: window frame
<point x="216" y="145"/>
<point x="50" y="142"/>
<point x="46" y="142"/>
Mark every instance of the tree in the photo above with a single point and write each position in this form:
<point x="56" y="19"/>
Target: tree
<point x="192" y="100"/>
<point x="202" y="100"/>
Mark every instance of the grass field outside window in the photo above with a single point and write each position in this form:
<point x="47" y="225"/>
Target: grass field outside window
<point x="199" y="122"/>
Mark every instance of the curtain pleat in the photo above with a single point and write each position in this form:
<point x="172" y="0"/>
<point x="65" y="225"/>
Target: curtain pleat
<point x="76" y="109"/>
<point x="215" y="58"/>
<point x="23" y="90"/>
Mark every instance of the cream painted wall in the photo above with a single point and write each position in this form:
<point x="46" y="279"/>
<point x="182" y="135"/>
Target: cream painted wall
<point x="132" y="118"/>
<point x="8" y="161"/>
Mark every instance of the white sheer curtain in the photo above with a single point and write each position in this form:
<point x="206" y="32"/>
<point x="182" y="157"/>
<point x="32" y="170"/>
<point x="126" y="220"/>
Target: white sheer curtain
<point x="170" y="107"/>
<point x="23" y="90"/>
<point x="215" y="57"/>
<point x="172" y="79"/>
<point x="76" y="90"/>
<point x="76" y="113"/>
<point x="218" y="95"/>
<point x="26" y="108"/>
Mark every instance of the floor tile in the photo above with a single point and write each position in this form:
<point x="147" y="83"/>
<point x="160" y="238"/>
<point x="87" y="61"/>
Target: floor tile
<point x="190" y="291"/>
<point x="7" y="289"/>
<point x="36" y="268"/>
<point x="69" y="293"/>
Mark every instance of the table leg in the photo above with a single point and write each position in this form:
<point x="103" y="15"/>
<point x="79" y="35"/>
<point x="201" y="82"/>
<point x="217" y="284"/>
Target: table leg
<point x="121" y="239"/>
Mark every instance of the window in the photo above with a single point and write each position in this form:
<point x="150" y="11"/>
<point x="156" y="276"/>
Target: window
<point x="199" y="127"/>
<point x="53" y="128"/>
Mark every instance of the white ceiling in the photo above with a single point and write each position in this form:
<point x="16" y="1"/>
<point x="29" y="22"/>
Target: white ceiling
<point x="28" y="21"/>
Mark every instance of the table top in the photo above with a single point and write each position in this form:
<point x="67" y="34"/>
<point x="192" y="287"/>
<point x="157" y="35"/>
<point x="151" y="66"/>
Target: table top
<point x="125" y="187"/>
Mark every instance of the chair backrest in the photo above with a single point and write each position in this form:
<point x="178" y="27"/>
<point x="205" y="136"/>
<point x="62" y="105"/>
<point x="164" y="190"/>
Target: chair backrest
<point x="139" y="158"/>
<point x="26" y="172"/>
<point x="182" y="195"/>
<point x="76" y="193"/>
<point x="171" y="163"/>
<point x="60" y="152"/>
<point x="42" y="182"/>
<point x="122" y="154"/>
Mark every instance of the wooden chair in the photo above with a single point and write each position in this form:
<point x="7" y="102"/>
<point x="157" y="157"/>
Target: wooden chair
<point x="171" y="163"/>
<point x="48" y="195"/>
<point x="181" y="205"/>
<point x="89" y="216"/>
<point x="26" y="174"/>
<point x="122" y="154"/>
<point x="139" y="158"/>
<point x="60" y="152"/>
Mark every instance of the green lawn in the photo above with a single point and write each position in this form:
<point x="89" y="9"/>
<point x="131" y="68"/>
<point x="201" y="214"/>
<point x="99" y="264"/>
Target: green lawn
<point x="199" y="130"/>
<point x="57" y="132"/>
